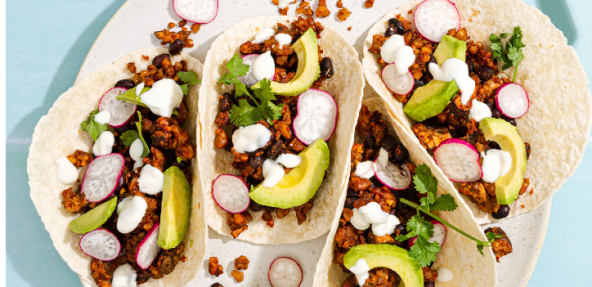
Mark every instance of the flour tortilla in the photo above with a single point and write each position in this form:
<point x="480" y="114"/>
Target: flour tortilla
<point x="459" y="253"/>
<point x="346" y="86"/>
<point x="558" y="122"/>
<point x="58" y="134"/>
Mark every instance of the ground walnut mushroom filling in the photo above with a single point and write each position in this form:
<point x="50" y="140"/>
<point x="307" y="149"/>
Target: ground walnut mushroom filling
<point x="169" y="146"/>
<point x="454" y="121"/>
<point x="283" y="139"/>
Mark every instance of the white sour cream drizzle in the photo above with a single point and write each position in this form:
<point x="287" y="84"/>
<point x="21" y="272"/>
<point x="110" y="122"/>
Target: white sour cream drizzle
<point x="67" y="173"/>
<point x="444" y="275"/>
<point x="479" y="111"/>
<point x="383" y="157"/>
<point x="103" y="117"/>
<point x="263" y="35"/>
<point x="135" y="151"/>
<point x="457" y="70"/>
<point x="496" y="163"/>
<point x="104" y="144"/>
<point x="386" y="228"/>
<point x="250" y="138"/>
<point x="273" y="172"/>
<point x="151" y="180"/>
<point x="395" y="50"/>
<point x="360" y="269"/>
<point x="163" y="97"/>
<point x="289" y="160"/>
<point x="139" y="88"/>
<point x="365" y="169"/>
<point x="371" y="213"/>
<point x="283" y="39"/>
<point x="131" y="210"/>
<point x="358" y="221"/>
<point x="263" y="66"/>
<point x="124" y="276"/>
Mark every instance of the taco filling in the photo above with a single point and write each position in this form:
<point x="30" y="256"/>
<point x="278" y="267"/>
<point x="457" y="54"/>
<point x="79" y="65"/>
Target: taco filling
<point x="134" y="200"/>
<point x="464" y="108"/>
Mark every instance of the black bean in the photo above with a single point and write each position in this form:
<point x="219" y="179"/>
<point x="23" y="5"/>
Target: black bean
<point x="495" y="114"/>
<point x="326" y="68"/>
<point x="273" y="151"/>
<point x="485" y="73"/>
<point x="401" y="229"/>
<point x="418" y="84"/>
<point x="367" y="139"/>
<point x="255" y="162"/>
<point x="494" y="145"/>
<point x="349" y="203"/>
<point x="351" y="193"/>
<point x="389" y="143"/>
<point x="126" y="84"/>
<point x="176" y="47"/>
<point x="432" y="60"/>
<point x="502" y="212"/>
<point x="471" y="67"/>
<point x="401" y="154"/>
<point x="511" y="121"/>
<point x="429" y="284"/>
<point x="157" y="61"/>
<point x="394" y="22"/>
<point x="390" y="31"/>
<point x="269" y="208"/>
<point x="225" y="103"/>
<point x="254" y="206"/>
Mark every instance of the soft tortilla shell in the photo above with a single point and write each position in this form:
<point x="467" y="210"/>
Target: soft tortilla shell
<point x="558" y="122"/>
<point x="58" y="134"/>
<point x="459" y="253"/>
<point x="346" y="86"/>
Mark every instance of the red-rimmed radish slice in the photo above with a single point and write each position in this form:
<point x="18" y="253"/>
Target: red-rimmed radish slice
<point x="512" y="100"/>
<point x="148" y="248"/>
<point x="249" y="79"/>
<point x="285" y="272"/>
<point x="121" y="112"/>
<point x="439" y="234"/>
<point x="197" y="11"/>
<point x="100" y="244"/>
<point x="392" y="176"/>
<point x="231" y="193"/>
<point x="459" y="160"/>
<point x="433" y="19"/>
<point x="102" y="177"/>
<point x="395" y="82"/>
<point x="316" y="117"/>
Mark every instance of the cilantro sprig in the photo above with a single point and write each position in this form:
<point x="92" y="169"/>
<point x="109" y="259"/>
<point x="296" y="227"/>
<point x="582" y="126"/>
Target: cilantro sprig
<point x="245" y="114"/>
<point x="512" y="54"/>
<point x="130" y="136"/>
<point x="423" y="250"/>
<point x="93" y="128"/>
<point x="189" y="78"/>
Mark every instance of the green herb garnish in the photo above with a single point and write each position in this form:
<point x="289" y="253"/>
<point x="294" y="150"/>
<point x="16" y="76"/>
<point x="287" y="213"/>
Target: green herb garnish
<point x="189" y="78"/>
<point x="512" y="55"/>
<point x="93" y="128"/>
<point x="146" y="150"/>
<point x="130" y="97"/>
<point x="237" y="69"/>
<point x="129" y="137"/>
<point x="179" y="159"/>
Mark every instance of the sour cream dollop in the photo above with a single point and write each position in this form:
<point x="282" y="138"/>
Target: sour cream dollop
<point x="358" y="221"/>
<point x="395" y="50"/>
<point x="372" y="213"/>
<point x="263" y="66"/>
<point x="289" y="160"/>
<point x="496" y="163"/>
<point x="103" y="117"/>
<point x="457" y="70"/>
<point x="151" y="180"/>
<point x="365" y="169"/>
<point x="383" y="157"/>
<point x="360" y="269"/>
<point x="386" y="228"/>
<point x="67" y="173"/>
<point x="124" y="276"/>
<point x="283" y="39"/>
<point x="163" y="97"/>
<point x="273" y="172"/>
<point x="104" y="143"/>
<point x="250" y="138"/>
<point x="139" y="88"/>
<point x="131" y="210"/>
<point x="479" y="111"/>
<point x="444" y="275"/>
<point x="136" y="150"/>
<point x="263" y="35"/>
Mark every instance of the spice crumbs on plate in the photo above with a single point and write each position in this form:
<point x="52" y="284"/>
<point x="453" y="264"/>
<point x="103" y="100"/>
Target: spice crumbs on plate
<point x="146" y="58"/>
<point x="171" y="25"/>
<point x="349" y="28"/>
<point x="195" y="28"/>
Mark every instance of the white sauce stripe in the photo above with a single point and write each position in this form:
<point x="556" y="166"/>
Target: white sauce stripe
<point x="457" y="70"/>
<point x="360" y="269"/>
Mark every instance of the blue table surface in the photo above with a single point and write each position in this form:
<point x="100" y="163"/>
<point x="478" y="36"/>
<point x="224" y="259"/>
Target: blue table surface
<point x="47" y="42"/>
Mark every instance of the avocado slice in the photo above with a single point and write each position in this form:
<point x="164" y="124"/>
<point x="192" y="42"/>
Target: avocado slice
<point x="308" y="70"/>
<point x="301" y="183"/>
<point x="176" y="208"/>
<point x="507" y="187"/>
<point x="387" y="256"/>
<point x="94" y="218"/>
<point x="450" y="47"/>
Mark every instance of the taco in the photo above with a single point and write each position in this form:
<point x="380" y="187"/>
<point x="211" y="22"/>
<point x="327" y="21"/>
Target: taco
<point x="274" y="136"/>
<point x="517" y="127"/>
<point x="116" y="182"/>
<point x="375" y="237"/>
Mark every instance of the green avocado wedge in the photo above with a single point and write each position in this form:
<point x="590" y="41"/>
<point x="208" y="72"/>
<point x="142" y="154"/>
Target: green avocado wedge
<point x="301" y="183"/>
<point x="176" y="208"/>
<point x="450" y="47"/>
<point x="94" y="218"/>
<point x="387" y="256"/>
<point x="308" y="70"/>
<point x="507" y="187"/>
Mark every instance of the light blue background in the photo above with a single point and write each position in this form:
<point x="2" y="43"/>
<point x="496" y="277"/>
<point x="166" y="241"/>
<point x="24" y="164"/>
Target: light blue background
<point x="46" y="45"/>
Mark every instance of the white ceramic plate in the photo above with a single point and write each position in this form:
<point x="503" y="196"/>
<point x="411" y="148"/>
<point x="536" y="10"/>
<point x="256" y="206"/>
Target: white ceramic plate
<point x="131" y="28"/>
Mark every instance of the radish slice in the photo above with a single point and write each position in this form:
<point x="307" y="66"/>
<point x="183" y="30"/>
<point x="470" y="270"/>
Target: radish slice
<point x="392" y="176"/>
<point x="316" y="117"/>
<point x="148" y="248"/>
<point x="121" y="112"/>
<point x="231" y="193"/>
<point x="102" y="177"/>
<point x="249" y="79"/>
<point x="439" y="234"/>
<point x="433" y="19"/>
<point x="285" y="272"/>
<point x="459" y="160"/>
<point x="512" y="100"/>
<point x="395" y="82"/>
<point x="197" y="11"/>
<point x="100" y="244"/>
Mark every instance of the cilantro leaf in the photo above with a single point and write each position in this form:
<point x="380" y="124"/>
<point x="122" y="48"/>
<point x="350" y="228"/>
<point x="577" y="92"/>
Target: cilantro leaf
<point x="93" y="128"/>
<point x="512" y="55"/>
<point x="179" y="159"/>
<point x="129" y="137"/>
<point x="130" y="97"/>
<point x="424" y="181"/>
<point x="444" y="202"/>
<point x="189" y="78"/>
<point x="492" y="236"/>
<point x="244" y="114"/>
<point x="424" y="251"/>
<point x="480" y="248"/>
<point x="146" y="150"/>
<point x="237" y="68"/>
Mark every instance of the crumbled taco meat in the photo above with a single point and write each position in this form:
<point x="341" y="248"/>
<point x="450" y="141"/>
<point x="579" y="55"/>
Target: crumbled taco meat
<point x="168" y="37"/>
<point x="216" y="285"/>
<point x="430" y="137"/>
<point x="74" y="201"/>
<point x="322" y="10"/>
<point x="379" y="277"/>
<point x="369" y="3"/>
<point x="482" y="194"/>
<point x="501" y="246"/>
<point x="238" y="222"/>
<point x="238" y="275"/>
<point x="195" y="28"/>
<point x="429" y="275"/>
<point x="524" y="186"/>
<point x="102" y="272"/>
<point x="304" y="9"/>
<point x="343" y="14"/>
<point x="241" y="263"/>
<point x="214" y="268"/>
<point x="182" y="23"/>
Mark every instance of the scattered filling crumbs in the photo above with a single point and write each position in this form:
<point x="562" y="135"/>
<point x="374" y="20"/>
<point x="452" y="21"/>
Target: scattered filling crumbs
<point x="166" y="37"/>
<point x="343" y="14"/>
<point x="522" y="205"/>
<point x="369" y="4"/>
<point x="322" y="10"/>
<point x="284" y="12"/>
<point x="171" y="25"/>
<point x="216" y="285"/>
<point x="349" y="28"/>
<point x="532" y="191"/>
<point x="304" y="9"/>
<point x="195" y="28"/>
<point x="214" y="268"/>
<point x="241" y="263"/>
<point x="409" y="12"/>
<point x="339" y="4"/>
<point x="238" y="276"/>
<point x="146" y="58"/>
<point x="182" y="23"/>
<point x="131" y="67"/>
